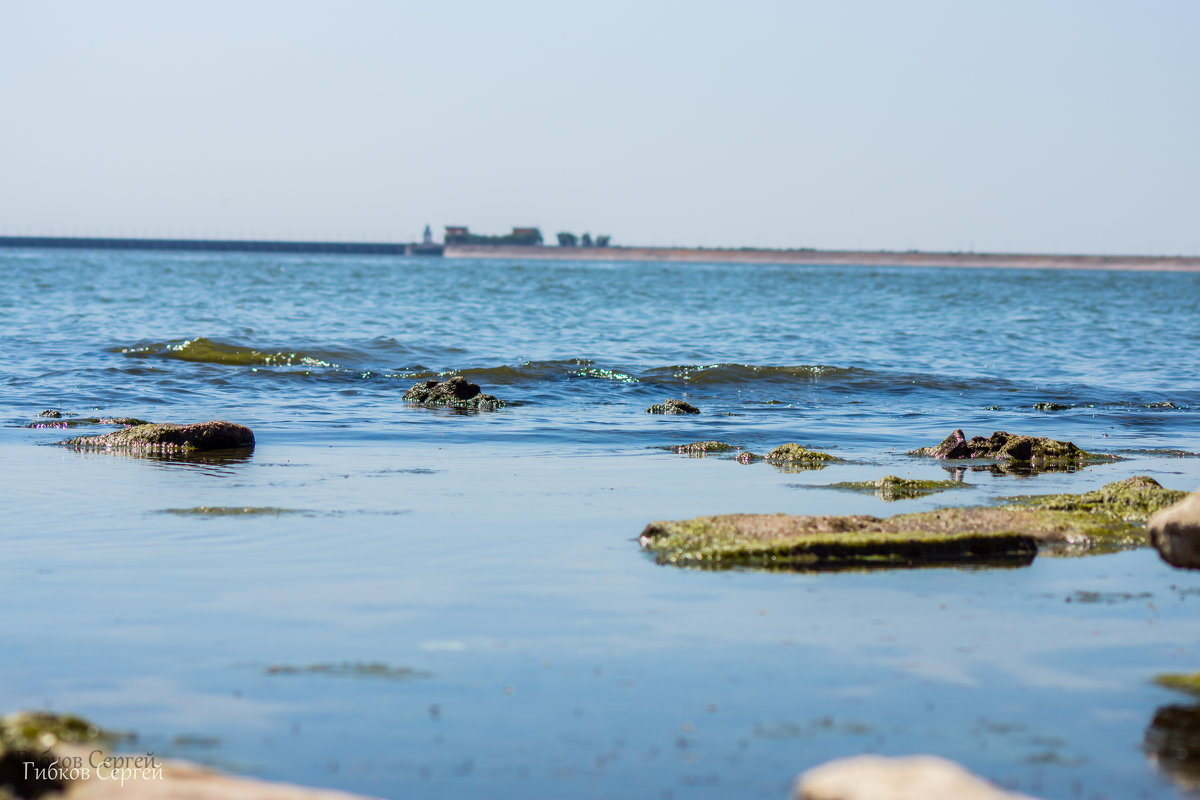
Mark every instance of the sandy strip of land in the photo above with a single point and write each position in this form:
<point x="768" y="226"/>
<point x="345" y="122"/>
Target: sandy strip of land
<point x="832" y="257"/>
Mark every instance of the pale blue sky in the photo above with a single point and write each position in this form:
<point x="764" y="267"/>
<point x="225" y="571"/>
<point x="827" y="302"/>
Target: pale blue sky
<point x="1017" y="126"/>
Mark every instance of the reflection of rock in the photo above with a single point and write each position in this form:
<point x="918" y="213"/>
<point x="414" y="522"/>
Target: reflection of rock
<point x="457" y="392"/>
<point x="892" y="487"/>
<point x="672" y="406"/>
<point x="908" y="778"/>
<point x="1175" y="531"/>
<point x="201" y="436"/>
<point x="1172" y="743"/>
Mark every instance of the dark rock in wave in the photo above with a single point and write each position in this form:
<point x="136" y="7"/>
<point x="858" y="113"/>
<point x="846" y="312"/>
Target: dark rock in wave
<point x="162" y="438"/>
<point x="457" y="392"/>
<point x="1004" y="446"/>
<point x="672" y="406"/>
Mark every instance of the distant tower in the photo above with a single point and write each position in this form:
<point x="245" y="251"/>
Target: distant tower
<point x="428" y="238"/>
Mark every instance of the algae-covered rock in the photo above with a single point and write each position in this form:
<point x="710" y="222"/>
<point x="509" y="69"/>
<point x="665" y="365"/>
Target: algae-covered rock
<point x="1175" y="532"/>
<point x="890" y="488"/>
<point x="162" y="438"/>
<point x="1188" y="684"/>
<point x="703" y="448"/>
<point x="794" y="457"/>
<point x="786" y="542"/>
<point x="673" y="406"/>
<point x="457" y="392"/>
<point x="1100" y="521"/>
<point x="1131" y="500"/>
<point x="1004" y="446"/>
<point x="1050" y="407"/>
<point x="51" y="413"/>
<point x="78" y="422"/>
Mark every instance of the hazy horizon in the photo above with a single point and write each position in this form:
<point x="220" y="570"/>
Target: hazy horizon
<point x="1063" y="128"/>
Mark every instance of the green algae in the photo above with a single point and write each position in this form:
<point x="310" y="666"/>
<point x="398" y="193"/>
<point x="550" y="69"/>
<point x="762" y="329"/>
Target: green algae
<point x="782" y="542"/>
<point x="1131" y="500"/>
<point x="1104" y="520"/>
<point x="890" y="488"/>
<point x="164" y="438"/>
<point x="1188" y="684"/>
<point x="350" y="669"/>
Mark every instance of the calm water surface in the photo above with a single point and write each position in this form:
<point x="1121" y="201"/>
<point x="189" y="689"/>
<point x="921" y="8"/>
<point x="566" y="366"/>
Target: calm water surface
<point x="430" y="604"/>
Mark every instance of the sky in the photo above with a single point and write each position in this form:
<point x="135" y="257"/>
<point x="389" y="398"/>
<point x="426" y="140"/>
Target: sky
<point x="1050" y="126"/>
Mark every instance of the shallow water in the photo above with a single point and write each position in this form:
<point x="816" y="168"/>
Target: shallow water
<point x="413" y="602"/>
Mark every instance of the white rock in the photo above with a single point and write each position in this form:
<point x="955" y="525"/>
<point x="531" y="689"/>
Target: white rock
<point x="908" y="778"/>
<point x="1175" y="531"/>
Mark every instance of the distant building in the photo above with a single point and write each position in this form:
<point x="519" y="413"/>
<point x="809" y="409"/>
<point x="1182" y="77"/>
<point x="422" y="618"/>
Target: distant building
<point x="428" y="237"/>
<point x="459" y="234"/>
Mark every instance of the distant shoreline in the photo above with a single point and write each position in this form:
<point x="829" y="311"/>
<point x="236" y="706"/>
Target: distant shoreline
<point x="683" y="255"/>
<point x="865" y="258"/>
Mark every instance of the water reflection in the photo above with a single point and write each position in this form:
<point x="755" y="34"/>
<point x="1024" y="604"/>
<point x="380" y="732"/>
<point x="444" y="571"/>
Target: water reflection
<point x="221" y="463"/>
<point x="1172" y="744"/>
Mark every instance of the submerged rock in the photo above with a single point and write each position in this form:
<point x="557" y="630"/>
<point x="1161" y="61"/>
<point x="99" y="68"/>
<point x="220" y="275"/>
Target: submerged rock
<point x="51" y="413"/>
<point x="1175" y="532"/>
<point x="457" y="392"/>
<point x="1004" y="446"/>
<point x="1100" y="521"/>
<point x="162" y="438"/>
<point x="892" y="487"/>
<point x="1050" y="407"/>
<point x="904" y="778"/>
<point x="672" y="406"/>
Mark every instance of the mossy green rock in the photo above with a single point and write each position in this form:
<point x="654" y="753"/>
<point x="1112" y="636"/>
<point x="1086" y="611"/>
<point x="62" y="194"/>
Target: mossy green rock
<point x="703" y="448"/>
<point x="162" y="438"/>
<point x="1099" y="521"/>
<point x="457" y="392"/>
<point x="792" y="456"/>
<point x="1004" y="446"/>
<point x="891" y="487"/>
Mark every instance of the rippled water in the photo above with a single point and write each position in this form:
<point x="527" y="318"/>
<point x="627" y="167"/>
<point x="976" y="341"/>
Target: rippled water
<point x="420" y="603"/>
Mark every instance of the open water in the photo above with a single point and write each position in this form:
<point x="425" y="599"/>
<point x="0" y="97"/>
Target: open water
<point x="418" y="603"/>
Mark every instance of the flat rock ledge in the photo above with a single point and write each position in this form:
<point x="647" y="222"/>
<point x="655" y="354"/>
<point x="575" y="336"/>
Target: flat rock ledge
<point x="1175" y="532"/>
<point x="904" y="778"/>
<point x="63" y="756"/>
<point x="164" y="438"/>
<point x="1105" y="520"/>
<point x="457" y="392"/>
<point x="1004" y="446"/>
<point x="673" y="406"/>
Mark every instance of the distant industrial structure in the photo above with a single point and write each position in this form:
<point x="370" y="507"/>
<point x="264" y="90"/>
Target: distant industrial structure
<point x="459" y="234"/>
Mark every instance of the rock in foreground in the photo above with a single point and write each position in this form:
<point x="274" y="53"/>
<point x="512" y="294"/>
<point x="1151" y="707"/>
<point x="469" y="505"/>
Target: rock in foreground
<point x="908" y="778"/>
<point x="1175" y="532"/>
<point x="672" y="406"/>
<point x="162" y="438"/>
<point x="1003" y="446"/>
<point x="457" y="392"/>
<point x="1101" y="521"/>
